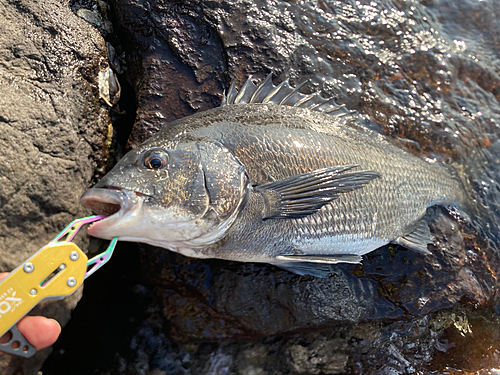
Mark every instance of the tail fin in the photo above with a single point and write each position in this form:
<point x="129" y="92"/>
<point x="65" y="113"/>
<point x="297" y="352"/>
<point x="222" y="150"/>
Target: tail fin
<point x="463" y="207"/>
<point x="478" y="203"/>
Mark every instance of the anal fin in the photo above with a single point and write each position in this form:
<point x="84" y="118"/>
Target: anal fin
<point x="322" y="259"/>
<point x="305" y="268"/>
<point x="314" y="265"/>
<point x="417" y="240"/>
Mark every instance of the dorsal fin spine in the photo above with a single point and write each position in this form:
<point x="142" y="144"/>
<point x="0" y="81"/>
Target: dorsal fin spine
<point x="293" y="92"/>
<point x="247" y="86"/>
<point x="231" y="94"/>
<point x="282" y="94"/>
<point x="255" y="96"/>
<point x="275" y="91"/>
<point x="302" y="101"/>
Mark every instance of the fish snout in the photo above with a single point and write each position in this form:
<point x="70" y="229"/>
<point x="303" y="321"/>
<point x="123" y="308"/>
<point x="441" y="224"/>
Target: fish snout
<point x="118" y="205"/>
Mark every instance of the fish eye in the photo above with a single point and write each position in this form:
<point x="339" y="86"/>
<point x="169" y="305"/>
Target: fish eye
<point x="155" y="159"/>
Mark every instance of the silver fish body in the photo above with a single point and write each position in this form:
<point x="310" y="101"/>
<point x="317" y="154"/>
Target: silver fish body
<point x="255" y="181"/>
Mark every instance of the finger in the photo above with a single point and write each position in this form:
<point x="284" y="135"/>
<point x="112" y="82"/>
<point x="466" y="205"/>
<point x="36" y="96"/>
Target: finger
<point x="38" y="330"/>
<point x="41" y="332"/>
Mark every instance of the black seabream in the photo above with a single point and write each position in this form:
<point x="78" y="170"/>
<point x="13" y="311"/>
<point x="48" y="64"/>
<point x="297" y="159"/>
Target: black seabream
<point x="271" y="176"/>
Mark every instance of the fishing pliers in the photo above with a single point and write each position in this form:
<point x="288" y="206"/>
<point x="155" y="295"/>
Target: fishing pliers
<point x="53" y="272"/>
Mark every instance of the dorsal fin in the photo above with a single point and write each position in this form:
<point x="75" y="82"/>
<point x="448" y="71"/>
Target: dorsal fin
<point x="283" y="94"/>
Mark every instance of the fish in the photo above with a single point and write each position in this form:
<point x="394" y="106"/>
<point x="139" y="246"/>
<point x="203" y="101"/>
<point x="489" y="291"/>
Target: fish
<point x="272" y="176"/>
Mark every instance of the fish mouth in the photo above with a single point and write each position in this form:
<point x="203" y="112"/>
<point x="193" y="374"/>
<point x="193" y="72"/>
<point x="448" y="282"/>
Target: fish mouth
<point x="115" y="203"/>
<point x="103" y="201"/>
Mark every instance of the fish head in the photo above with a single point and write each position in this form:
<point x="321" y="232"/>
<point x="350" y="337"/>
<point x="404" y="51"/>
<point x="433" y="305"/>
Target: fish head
<point x="185" y="196"/>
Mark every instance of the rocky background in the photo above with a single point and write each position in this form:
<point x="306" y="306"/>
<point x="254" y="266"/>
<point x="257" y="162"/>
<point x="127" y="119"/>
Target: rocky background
<point x="425" y="73"/>
<point x="52" y="134"/>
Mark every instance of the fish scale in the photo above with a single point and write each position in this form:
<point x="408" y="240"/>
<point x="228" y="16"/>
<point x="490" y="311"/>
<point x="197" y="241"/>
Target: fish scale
<point x="386" y="200"/>
<point x="370" y="159"/>
<point x="271" y="177"/>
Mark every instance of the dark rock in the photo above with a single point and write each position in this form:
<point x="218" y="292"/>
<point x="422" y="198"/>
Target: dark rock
<point x="175" y="60"/>
<point x="423" y="73"/>
<point x="402" y="347"/>
<point x="318" y="357"/>
<point x="209" y="300"/>
<point x="52" y="133"/>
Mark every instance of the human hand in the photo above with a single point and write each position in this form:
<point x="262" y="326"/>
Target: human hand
<point x="41" y="332"/>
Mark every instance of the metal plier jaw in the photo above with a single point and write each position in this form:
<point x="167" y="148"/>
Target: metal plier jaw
<point x="53" y="272"/>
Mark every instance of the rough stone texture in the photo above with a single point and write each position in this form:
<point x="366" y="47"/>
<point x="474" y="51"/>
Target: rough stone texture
<point x="425" y="73"/>
<point x="176" y="62"/>
<point x="52" y="133"/>
<point x="426" y="344"/>
<point x="319" y="357"/>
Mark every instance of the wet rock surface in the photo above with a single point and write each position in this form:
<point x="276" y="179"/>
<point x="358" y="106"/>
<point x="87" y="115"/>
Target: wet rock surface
<point x="423" y="73"/>
<point x="52" y="133"/>
<point x="176" y="62"/>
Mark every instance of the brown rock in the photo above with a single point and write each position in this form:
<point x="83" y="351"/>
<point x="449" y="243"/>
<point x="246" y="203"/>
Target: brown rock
<point x="52" y="132"/>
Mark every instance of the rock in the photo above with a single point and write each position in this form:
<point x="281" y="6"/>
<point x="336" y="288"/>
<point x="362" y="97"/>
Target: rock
<point x="95" y="19"/>
<point x="318" y="358"/>
<point x="175" y="60"/>
<point x="251" y="361"/>
<point x="403" y="68"/>
<point x="52" y="133"/>
<point x="425" y="343"/>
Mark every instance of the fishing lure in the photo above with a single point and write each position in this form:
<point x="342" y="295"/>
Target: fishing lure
<point x="53" y="272"/>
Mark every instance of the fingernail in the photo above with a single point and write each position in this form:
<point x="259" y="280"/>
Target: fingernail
<point x="57" y="324"/>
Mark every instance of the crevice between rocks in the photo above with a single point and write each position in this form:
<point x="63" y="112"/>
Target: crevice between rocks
<point x="113" y="301"/>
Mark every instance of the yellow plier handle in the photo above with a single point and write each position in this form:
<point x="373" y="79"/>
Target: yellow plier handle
<point x="53" y="272"/>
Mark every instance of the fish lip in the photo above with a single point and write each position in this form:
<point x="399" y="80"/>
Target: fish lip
<point x="97" y="198"/>
<point x="104" y="201"/>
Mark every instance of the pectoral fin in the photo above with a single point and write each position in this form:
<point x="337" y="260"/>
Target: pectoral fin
<point x="417" y="240"/>
<point x="306" y="193"/>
